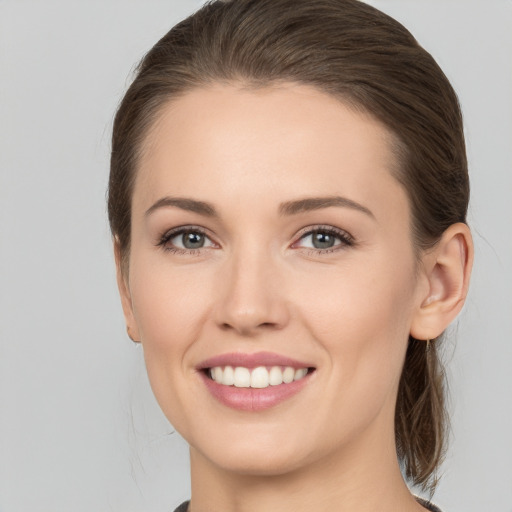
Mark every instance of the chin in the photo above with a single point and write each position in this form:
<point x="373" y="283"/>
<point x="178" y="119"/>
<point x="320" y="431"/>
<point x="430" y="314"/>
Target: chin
<point x="262" y="465"/>
<point x="253" y="457"/>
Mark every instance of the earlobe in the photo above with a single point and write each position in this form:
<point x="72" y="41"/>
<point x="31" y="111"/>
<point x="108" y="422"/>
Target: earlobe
<point x="124" y="292"/>
<point x="447" y="269"/>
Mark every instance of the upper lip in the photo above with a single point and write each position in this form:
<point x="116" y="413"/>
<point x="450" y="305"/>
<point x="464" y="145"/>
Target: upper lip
<point x="252" y="360"/>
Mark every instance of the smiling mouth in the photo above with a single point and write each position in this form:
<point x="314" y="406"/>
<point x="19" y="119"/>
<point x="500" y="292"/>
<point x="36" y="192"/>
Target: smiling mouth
<point x="259" y="377"/>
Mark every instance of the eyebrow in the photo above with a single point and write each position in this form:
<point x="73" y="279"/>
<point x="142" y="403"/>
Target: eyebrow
<point x="286" y="208"/>
<point x="317" y="203"/>
<point x="184" y="203"/>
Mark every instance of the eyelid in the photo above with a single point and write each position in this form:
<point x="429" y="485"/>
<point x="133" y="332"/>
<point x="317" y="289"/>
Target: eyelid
<point x="168" y="235"/>
<point x="346" y="238"/>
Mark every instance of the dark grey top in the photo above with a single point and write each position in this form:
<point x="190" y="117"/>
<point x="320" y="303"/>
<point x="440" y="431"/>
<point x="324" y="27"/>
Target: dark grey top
<point x="184" y="506"/>
<point x="422" y="502"/>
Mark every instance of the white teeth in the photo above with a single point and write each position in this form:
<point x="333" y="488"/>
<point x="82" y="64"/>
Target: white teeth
<point x="299" y="374"/>
<point x="242" y="377"/>
<point x="217" y="374"/>
<point x="228" y="376"/>
<point x="288" y="375"/>
<point x="275" y="376"/>
<point x="259" y="377"/>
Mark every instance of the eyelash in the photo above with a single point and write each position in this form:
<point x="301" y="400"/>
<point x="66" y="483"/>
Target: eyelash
<point x="169" y="235"/>
<point x="346" y="239"/>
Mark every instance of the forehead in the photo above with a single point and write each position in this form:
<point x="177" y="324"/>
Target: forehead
<point x="248" y="141"/>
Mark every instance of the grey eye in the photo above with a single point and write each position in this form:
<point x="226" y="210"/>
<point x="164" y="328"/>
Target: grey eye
<point x="323" y="240"/>
<point x="191" y="240"/>
<point x="320" y="239"/>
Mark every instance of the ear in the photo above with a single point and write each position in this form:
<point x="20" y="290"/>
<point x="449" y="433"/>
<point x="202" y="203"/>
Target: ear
<point x="124" y="292"/>
<point x="446" y="271"/>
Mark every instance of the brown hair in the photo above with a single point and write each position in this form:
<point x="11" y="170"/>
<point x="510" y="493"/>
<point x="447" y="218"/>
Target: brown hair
<point x="371" y="62"/>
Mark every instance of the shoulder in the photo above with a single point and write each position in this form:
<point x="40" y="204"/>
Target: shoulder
<point x="421" y="501"/>
<point x="183" y="507"/>
<point x="429" y="506"/>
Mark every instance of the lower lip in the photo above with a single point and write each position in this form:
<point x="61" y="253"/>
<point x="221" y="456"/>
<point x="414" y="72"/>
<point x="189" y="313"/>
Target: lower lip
<point x="254" y="399"/>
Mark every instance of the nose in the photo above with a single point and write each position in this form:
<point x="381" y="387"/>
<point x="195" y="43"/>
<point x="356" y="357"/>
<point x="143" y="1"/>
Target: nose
<point x="251" y="296"/>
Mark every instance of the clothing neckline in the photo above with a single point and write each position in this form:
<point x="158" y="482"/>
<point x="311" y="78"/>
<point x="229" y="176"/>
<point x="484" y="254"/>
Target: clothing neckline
<point x="424" y="503"/>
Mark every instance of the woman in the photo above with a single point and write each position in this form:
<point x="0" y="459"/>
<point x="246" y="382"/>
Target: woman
<point x="288" y="197"/>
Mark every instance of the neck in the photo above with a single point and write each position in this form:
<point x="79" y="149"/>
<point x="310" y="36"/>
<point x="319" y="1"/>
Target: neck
<point x="362" y="478"/>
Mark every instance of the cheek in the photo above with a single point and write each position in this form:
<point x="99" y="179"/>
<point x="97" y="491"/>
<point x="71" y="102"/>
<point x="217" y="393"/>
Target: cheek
<point x="361" y="317"/>
<point x="168" y="303"/>
<point x="357" y="296"/>
<point x="169" y="306"/>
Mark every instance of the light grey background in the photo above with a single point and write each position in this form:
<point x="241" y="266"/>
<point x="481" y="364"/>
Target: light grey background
<point x="79" y="428"/>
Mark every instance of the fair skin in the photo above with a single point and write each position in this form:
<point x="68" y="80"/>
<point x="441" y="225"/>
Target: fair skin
<point x="258" y="280"/>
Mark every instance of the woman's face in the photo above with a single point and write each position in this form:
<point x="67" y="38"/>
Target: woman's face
<point x="268" y="232"/>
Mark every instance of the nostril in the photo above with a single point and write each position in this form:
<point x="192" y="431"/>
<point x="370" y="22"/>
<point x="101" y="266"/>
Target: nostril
<point x="247" y="328"/>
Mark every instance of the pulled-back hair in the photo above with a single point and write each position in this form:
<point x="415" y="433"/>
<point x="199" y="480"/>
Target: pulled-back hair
<point x="369" y="61"/>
